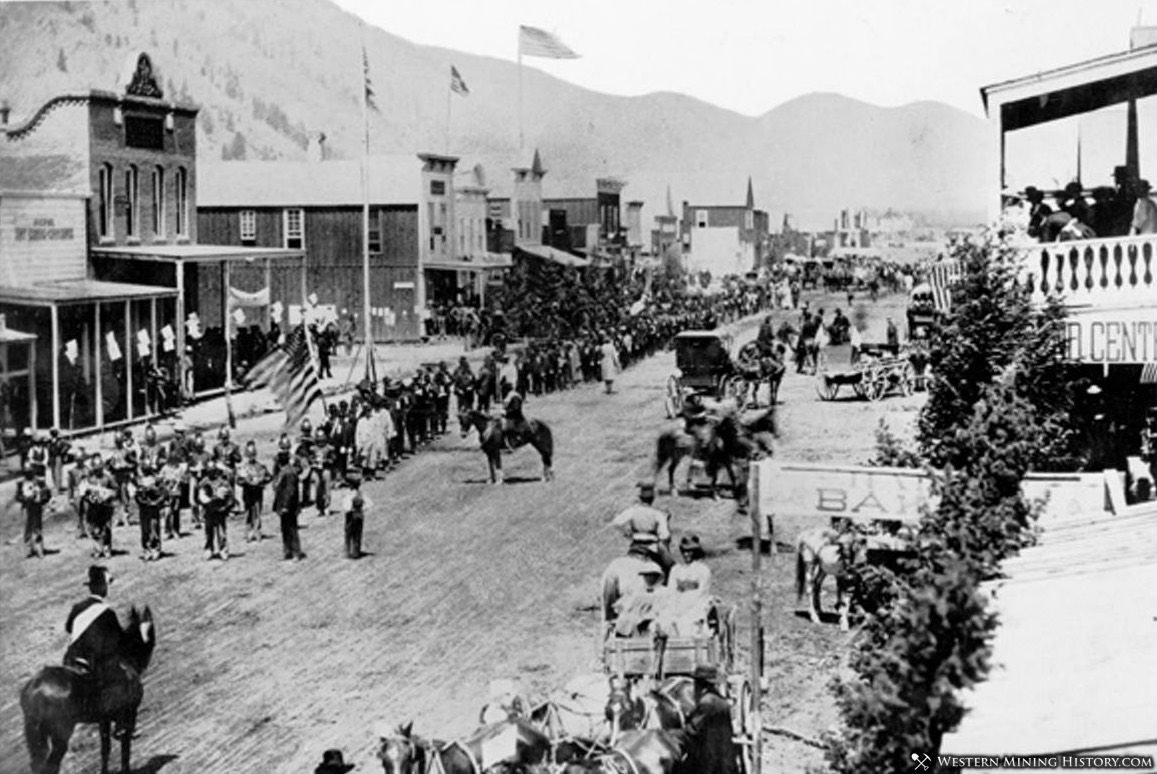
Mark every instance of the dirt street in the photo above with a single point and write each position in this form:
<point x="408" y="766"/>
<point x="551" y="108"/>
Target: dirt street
<point x="263" y="664"/>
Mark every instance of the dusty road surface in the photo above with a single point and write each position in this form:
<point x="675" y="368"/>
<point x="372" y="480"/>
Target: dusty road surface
<point x="263" y="664"/>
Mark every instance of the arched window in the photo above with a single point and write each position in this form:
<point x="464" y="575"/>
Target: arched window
<point x="132" y="196"/>
<point x="159" y="202"/>
<point x="104" y="203"/>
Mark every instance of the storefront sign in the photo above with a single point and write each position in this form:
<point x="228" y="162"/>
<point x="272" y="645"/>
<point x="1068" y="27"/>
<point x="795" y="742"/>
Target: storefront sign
<point x="857" y="493"/>
<point x="43" y="230"/>
<point x="1123" y="337"/>
<point x="403" y="286"/>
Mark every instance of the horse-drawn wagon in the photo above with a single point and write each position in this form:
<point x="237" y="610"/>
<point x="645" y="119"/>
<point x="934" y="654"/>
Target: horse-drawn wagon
<point x="689" y="632"/>
<point x="704" y="367"/>
<point x="878" y="372"/>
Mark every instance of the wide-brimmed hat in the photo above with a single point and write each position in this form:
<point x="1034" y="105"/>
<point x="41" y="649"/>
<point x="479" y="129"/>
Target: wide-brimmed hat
<point x="1033" y="194"/>
<point x="651" y="569"/>
<point x="332" y="762"/>
<point x="705" y="673"/>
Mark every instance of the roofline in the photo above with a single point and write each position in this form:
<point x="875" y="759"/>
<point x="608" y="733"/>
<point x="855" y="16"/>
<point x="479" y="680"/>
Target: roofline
<point x="20" y="193"/>
<point x="79" y="97"/>
<point x="1120" y="57"/>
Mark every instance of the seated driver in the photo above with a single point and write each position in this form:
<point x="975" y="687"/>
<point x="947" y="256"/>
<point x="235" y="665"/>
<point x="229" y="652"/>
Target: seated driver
<point x="639" y="613"/>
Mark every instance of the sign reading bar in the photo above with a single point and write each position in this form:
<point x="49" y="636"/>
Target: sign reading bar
<point x="1122" y="337"/>
<point x="861" y="494"/>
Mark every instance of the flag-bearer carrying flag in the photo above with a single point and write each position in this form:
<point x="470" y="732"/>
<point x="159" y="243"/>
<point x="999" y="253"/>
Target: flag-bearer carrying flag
<point x="535" y="42"/>
<point x="289" y="374"/>
<point x="457" y="84"/>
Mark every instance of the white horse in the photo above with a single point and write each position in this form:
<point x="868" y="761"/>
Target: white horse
<point x="821" y="552"/>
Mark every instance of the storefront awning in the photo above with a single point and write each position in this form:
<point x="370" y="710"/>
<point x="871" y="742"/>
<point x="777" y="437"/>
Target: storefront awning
<point x="479" y="263"/>
<point x="76" y="291"/>
<point x="196" y="253"/>
<point x="561" y="257"/>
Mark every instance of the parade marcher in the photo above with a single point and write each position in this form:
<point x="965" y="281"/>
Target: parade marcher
<point x="708" y="735"/>
<point x="58" y="451"/>
<point x="216" y="498"/>
<point x="464" y="385"/>
<point x="693" y="575"/>
<point x="893" y="336"/>
<point x="37" y="459"/>
<point x="226" y="452"/>
<point x="354" y="507"/>
<point x="287" y="500"/>
<point x="441" y="383"/>
<point x="198" y="462"/>
<point x="152" y="454"/>
<point x="84" y="652"/>
<point x="304" y="454"/>
<point x="321" y="470"/>
<point x="33" y="494"/>
<point x="77" y="480"/>
<point x="173" y="477"/>
<point x="151" y="501"/>
<point x="253" y="476"/>
<point x="122" y="464"/>
<point x="101" y="495"/>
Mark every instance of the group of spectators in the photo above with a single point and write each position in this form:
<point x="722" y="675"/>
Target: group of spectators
<point x="1119" y="210"/>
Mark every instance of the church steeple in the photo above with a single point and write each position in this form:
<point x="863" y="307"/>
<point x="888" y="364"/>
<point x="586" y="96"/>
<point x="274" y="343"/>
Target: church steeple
<point x="750" y="195"/>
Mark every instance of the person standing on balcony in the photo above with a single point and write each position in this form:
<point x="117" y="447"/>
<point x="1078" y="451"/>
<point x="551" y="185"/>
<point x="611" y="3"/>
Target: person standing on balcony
<point x="1144" y="211"/>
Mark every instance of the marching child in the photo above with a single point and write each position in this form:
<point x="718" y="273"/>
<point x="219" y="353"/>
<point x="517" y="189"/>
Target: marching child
<point x="253" y="476"/>
<point x="33" y="494"/>
<point x="354" y="506"/>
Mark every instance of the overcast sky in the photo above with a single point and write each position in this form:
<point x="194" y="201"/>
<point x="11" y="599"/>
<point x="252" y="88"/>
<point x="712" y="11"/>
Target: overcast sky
<point x="751" y="55"/>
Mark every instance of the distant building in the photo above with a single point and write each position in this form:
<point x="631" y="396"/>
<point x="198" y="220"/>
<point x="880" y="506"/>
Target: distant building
<point x="592" y="226"/>
<point x="724" y="239"/>
<point x="852" y="230"/>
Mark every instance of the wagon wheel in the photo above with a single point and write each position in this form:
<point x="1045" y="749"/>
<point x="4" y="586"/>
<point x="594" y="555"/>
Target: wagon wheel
<point x="828" y="388"/>
<point x="673" y="401"/>
<point x="743" y="724"/>
<point x="876" y="386"/>
<point x="907" y="380"/>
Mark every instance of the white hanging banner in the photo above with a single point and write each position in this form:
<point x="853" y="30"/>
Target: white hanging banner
<point x="294" y="314"/>
<point x="241" y="298"/>
<point x="142" y="349"/>
<point x="239" y="316"/>
<point x="71" y="351"/>
<point x="114" y="349"/>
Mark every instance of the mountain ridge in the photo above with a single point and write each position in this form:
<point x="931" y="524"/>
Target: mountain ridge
<point x="270" y="76"/>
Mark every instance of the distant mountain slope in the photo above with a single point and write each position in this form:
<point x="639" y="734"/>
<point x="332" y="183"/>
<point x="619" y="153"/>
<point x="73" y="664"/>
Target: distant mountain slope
<point x="269" y="75"/>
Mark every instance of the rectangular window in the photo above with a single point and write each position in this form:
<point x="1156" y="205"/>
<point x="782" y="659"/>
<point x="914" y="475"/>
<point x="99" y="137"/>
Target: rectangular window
<point x="159" y="203"/>
<point x="144" y="132"/>
<point x="294" y="229"/>
<point x="749" y="220"/>
<point x="701" y="218"/>
<point x="132" y="202"/>
<point x="437" y="187"/>
<point x="375" y="239"/>
<point x="182" y="201"/>
<point x="105" y="213"/>
<point x="248" y="226"/>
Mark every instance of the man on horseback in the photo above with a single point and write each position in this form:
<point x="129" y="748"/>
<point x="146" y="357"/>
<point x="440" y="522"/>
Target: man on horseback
<point x="514" y="425"/>
<point x="648" y="528"/>
<point x="94" y="635"/>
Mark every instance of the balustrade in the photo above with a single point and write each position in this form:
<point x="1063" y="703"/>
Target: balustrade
<point x="1095" y="272"/>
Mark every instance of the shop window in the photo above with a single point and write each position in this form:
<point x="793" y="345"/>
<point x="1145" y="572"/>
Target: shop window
<point x="294" y="229"/>
<point x="105" y="211"/>
<point x="248" y="226"/>
<point x="437" y="187"/>
<point x="159" y="202"/>
<point x="182" y="201"/>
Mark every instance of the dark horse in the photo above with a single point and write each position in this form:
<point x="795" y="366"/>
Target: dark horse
<point x="517" y="744"/>
<point x="59" y="697"/>
<point x="495" y="438"/>
<point x="650" y="751"/>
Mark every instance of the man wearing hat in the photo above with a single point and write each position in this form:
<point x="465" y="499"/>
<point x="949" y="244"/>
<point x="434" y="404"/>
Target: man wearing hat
<point x="693" y="575"/>
<point x="77" y="478"/>
<point x="354" y="507"/>
<point x="1144" y="211"/>
<point x="639" y="612"/>
<point x="100" y="495"/>
<point x="253" y="476"/>
<point x="151" y="498"/>
<point x="1038" y="212"/>
<point x="707" y="735"/>
<point x="38" y="455"/>
<point x="287" y="499"/>
<point x="333" y="762"/>
<point x="216" y="496"/>
<point x="33" y="494"/>
<point x="648" y="528"/>
<point x="88" y="620"/>
<point x="58" y="450"/>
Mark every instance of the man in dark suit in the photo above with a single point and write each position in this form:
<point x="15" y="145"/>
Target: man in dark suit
<point x="287" y="502"/>
<point x="707" y="735"/>
<point x="91" y="625"/>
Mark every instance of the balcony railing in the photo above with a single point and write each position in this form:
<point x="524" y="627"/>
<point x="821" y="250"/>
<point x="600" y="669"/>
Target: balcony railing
<point x="1096" y="272"/>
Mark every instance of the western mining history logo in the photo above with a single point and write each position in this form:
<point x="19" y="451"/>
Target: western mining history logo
<point x="924" y="762"/>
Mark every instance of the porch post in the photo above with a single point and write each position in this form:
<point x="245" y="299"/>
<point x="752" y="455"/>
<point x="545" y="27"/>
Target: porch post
<point x="179" y="267"/>
<point x="99" y="371"/>
<point x="130" y="357"/>
<point x="55" y="316"/>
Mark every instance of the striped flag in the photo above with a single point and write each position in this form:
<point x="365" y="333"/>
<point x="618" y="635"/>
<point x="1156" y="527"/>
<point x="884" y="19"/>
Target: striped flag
<point x="941" y="277"/>
<point x="457" y="85"/>
<point x="369" y="95"/>
<point x="289" y="374"/>
<point x="1149" y="373"/>
<point x="535" y="42"/>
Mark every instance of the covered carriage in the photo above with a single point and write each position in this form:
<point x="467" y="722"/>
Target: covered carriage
<point x="704" y="367"/>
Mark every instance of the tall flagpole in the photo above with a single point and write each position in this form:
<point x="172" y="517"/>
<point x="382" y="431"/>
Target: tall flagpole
<point x="367" y="337"/>
<point x="449" y="99"/>
<point x="520" y="143"/>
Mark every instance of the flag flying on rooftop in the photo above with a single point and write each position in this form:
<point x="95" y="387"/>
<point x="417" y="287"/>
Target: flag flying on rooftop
<point x="289" y="374"/>
<point x="457" y="84"/>
<point x="369" y="85"/>
<point x="535" y="42"/>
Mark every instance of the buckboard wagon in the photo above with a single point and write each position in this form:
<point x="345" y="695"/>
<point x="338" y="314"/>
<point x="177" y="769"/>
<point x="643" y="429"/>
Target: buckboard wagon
<point x="655" y="658"/>
<point x="880" y="370"/>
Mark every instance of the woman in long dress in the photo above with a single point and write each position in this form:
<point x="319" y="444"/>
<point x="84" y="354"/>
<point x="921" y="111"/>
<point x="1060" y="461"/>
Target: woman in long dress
<point x="609" y="362"/>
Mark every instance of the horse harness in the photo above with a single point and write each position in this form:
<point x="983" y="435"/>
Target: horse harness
<point x="618" y="762"/>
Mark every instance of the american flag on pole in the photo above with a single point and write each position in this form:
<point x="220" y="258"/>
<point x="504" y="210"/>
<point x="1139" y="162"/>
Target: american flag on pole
<point x="369" y="95"/>
<point x="535" y="42"/>
<point x="289" y="374"/>
<point x="941" y="277"/>
<point x="457" y="84"/>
